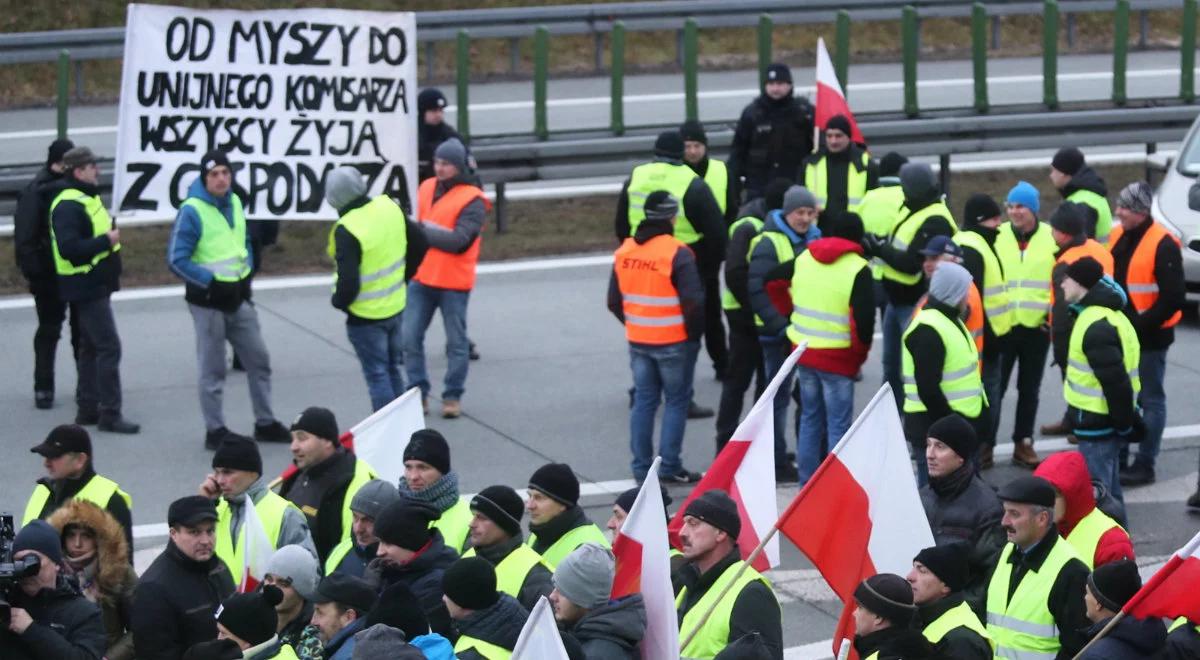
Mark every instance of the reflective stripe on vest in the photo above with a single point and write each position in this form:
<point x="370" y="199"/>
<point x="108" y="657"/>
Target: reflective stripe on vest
<point x="439" y="268"/>
<point x="513" y="569"/>
<point x="959" y="616"/>
<point x="1023" y="627"/>
<point x="1140" y="282"/>
<point x="221" y="249"/>
<point x="821" y="312"/>
<point x="286" y="652"/>
<point x="728" y="301"/>
<point x="454" y="524"/>
<point x="362" y="474"/>
<point x="903" y="234"/>
<point x="101" y="225"/>
<point x="1179" y="623"/>
<point x="98" y="490"/>
<point x="1081" y="388"/>
<point x="713" y="636"/>
<point x="961" y="384"/>
<point x="784" y="252"/>
<point x="1028" y="273"/>
<point x="338" y="553"/>
<point x="588" y="533"/>
<point x="1089" y="248"/>
<point x="1103" y="212"/>
<point x="974" y="320"/>
<point x="381" y="232"/>
<point x="485" y="649"/>
<point x="996" y="304"/>
<point x="652" y="177"/>
<point x="270" y="511"/>
<point x="717" y="178"/>
<point x="816" y="179"/>
<point x="650" y="302"/>
<point x="1085" y="536"/>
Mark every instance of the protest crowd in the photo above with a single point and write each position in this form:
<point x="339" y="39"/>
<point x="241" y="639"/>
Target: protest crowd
<point x="782" y="263"/>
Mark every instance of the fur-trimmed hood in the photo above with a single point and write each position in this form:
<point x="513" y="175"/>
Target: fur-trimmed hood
<point x="112" y="551"/>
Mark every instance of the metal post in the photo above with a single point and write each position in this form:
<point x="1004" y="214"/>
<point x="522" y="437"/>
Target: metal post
<point x="598" y="51"/>
<point x="691" y="54"/>
<point x="1050" y="54"/>
<point x="908" y="36"/>
<point x="617" y="94"/>
<point x="766" y="28"/>
<point x="64" y="79"/>
<point x="841" y="55"/>
<point x="501" y="204"/>
<point x="996" y="32"/>
<point x="979" y="53"/>
<point x="514" y="55"/>
<point x="78" y="80"/>
<point x="1151" y="148"/>
<point x="1143" y="28"/>
<point x="462" y="67"/>
<point x="1120" y="50"/>
<point x="944" y="175"/>
<point x="1070" y="30"/>
<point x="429" y="59"/>
<point x="541" y="70"/>
<point x="1187" y="53"/>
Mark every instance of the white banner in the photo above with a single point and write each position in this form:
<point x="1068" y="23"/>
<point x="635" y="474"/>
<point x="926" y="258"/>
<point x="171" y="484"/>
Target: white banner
<point x="287" y="94"/>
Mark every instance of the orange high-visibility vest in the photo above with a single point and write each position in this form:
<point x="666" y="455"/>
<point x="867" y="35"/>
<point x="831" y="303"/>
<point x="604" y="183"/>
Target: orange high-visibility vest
<point x="1089" y="248"/>
<point x="1141" y="285"/>
<point x="439" y="268"/>
<point x="653" y="314"/>
<point x="974" y="321"/>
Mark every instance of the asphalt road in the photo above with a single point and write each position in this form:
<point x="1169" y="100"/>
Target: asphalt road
<point x="551" y="386"/>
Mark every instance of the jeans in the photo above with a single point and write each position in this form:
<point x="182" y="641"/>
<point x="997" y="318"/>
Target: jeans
<point x="991" y="373"/>
<point x="1153" y="400"/>
<point x="775" y="351"/>
<point x="895" y="322"/>
<point x="827" y="409"/>
<point x="51" y="312"/>
<point x="380" y="353"/>
<point x="659" y="373"/>
<point x="240" y="328"/>
<point x="1028" y="347"/>
<point x="745" y="365"/>
<point x="98" y="362"/>
<point x="1101" y="456"/>
<point x="418" y="314"/>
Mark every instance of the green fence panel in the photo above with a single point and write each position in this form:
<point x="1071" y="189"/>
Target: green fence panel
<point x="909" y="27"/>
<point x="979" y="54"/>
<point x="63" y="91"/>
<point x="617" y="93"/>
<point x="841" y="56"/>
<point x="766" y="31"/>
<point x="541" y="70"/>
<point x="1187" y="53"/>
<point x="1050" y="54"/>
<point x="691" y="56"/>
<point x="1120" y="50"/>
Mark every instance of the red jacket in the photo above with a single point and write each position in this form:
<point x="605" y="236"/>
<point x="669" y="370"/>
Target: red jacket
<point x="844" y="361"/>
<point x="1068" y="472"/>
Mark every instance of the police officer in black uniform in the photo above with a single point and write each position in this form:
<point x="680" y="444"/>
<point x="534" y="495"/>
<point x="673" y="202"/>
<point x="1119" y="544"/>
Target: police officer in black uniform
<point x="773" y="135"/>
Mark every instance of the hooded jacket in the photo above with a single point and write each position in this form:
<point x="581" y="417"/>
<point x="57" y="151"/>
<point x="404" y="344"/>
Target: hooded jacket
<point x="685" y="277"/>
<point x="701" y="209"/>
<point x="771" y="140"/>
<point x="65" y="626"/>
<point x="1172" y="288"/>
<point x="895" y="643"/>
<point x="499" y="624"/>
<point x="423" y="575"/>
<point x="175" y="604"/>
<point x="1102" y="347"/>
<point x="1130" y="639"/>
<point x="769" y="281"/>
<point x="198" y="283"/>
<point x="31" y="233"/>
<point x="73" y="232"/>
<point x="612" y="631"/>
<point x="845" y="361"/>
<point x="108" y="579"/>
<point x="1086" y="179"/>
<point x="1068" y="472"/>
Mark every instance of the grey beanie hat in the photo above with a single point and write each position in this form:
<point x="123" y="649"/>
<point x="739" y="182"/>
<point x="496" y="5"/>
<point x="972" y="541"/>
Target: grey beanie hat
<point x="918" y="182"/>
<point x="585" y="576"/>
<point x="949" y="283"/>
<point x="452" y="151"/>
<point x="344" y="185"/>
<point x="797" y="197"/>
<point x="1136" y="197"/>
<point x="379" y="641"/>
<point x="373" y="497"/>
<point x="298" y="565"/>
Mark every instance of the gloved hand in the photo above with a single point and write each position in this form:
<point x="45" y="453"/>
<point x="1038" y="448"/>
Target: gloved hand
<point x="1136" y="431"/>
<point x="225" y="296"/>
<point x="873" y="244"/>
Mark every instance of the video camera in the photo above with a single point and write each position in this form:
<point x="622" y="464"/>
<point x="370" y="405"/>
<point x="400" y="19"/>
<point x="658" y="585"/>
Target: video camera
<point x="12" y="570"/>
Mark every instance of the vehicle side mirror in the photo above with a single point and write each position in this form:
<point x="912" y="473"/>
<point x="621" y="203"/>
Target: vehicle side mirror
<point x="1158" y="162"/>
<point x="1194" y="197"/>
<point x="1194" y="244"/>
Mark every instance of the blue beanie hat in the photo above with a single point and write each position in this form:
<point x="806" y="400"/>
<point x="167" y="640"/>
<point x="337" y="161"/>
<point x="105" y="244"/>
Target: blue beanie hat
<point x="1026" y="195"/>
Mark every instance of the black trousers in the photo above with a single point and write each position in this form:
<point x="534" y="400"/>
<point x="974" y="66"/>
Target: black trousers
<point x="99" y="357"/>
<point x="1026" y="347"/>
<point x="745" y="365"/>
<point x="714" y="325"/>
<point x="51" y="312"/>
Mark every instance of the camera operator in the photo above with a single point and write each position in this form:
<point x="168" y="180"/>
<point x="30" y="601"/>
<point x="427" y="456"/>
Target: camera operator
<point x="49" y="619"/>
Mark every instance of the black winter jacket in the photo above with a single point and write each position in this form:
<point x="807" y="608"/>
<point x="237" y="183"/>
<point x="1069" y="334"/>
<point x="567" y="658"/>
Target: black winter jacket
<point x="973" y="262"/>
<point x="1087" y="179"/>
<point x="66" y="626"/>
<point x="732" y="189"/>
<point x="1130" y="639"/>
<point x="538" y="581"/>
<point x="348" y="257"/>
<point x="685" y="277"/>
<point x="836" y="184"/>
<point x="737" y="264"/>
<point x="702" y="211"/>
<point x="1183" y="643"/>
<point x="1172" y="289"/>
<point x="73" y="231"/>
<point x="499" y="624"/>
<point x="925" y="344"/>
<point x="771" y="140"/>
<point x="175" y="604"/>
<point x="428" y="140"/>
<point x="64" y="490"/>
<point x="327" y="482"/>
<point x="960" y="643"/>
<point x="911" y="260"/>
<point x="423" y="576"/>
<point x="31" y="232"/>
<point x="895" y="643"/>
<point x="1104" y="352"/>
<point x="612" y="631"/>
<point x="755" y="611"/>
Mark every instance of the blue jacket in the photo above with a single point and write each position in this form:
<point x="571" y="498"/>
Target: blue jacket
<point x="765" y="267"/>
<point x="186" y="234"/>
<point x="434" y="646"/>
<point x="341" y="645"/>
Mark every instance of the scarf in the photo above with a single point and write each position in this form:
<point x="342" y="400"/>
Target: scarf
<point x="84" y="570"/>
<point x="442" y="494"/>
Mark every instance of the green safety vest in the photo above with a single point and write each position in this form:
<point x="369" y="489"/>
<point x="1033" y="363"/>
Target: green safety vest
<point x="816" y="179"/>
<point x="380" y="229"/>
<point x="905" y="231"/>
<point x="286" y="652"/>
<point x="784" y="252"/>
<point x="1179" y="623"/>
<point x="821" y="300"/>
<point x="588" y="533"/>
<point x="959" y="616"/>
<point x="362" y="474"/>
<point x="996" y="303"/>
<point x="713" y="637"/>
<point x="1103" y="212"/>
<point x="101" y="225"/>
<point x="728" y="302"/>
<point x="513" y="569"/>
<point x="1081" y="388"/>
<point x="98" y="490"/>
<point x="961" y="383"/>
<point x="221" y="249"/>
<point x="338" y="553"/>
<point x="1023" y="627"/>
<point x="486" y="649"/>
<point x="1028" y="273"/>
<point x="717" y="178"/>
<point x="881" y="209"/>
<point x="454" y="524"/>
<point x="270" y="511"/>
<point x="655" y="176"/>
<point x="1085" y="536"/>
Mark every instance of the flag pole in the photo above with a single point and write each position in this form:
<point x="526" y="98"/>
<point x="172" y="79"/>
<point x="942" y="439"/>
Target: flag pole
<point x="721" y="596"/>
<point x="1100" y="635"/>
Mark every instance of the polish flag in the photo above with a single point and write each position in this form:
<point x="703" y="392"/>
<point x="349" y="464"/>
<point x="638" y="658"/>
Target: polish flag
<point x="830" y="98"/>
<point x="540" y="639"/>
<point x="257" y="549"/>
<point x="860" y="513"/>
<point x="643" y="566"/>
<point x="1171" y="592"/>
<point x="745" y="469"/>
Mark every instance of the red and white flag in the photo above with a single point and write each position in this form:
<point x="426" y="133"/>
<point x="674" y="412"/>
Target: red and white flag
<point x="256" y="548"/>
<point x="830" y="98"/>
<point x="860" y="513"/>
<point x="1171" y="592"/>
<point x="745" y="469"/>
<point x="644" y="566"/>
<point x="540" y="639"/>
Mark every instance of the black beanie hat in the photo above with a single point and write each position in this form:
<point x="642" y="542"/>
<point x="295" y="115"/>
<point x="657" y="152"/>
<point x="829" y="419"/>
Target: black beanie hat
<point x="956" y="433"/>
<point x="948" y="563"/>
<point x="979" y="207"/>
<point x="1068" y="218"/>
<point x="1068" y="160"/>
<point x="319" y="422"/>
<point x="471" y="583"/>
<point x="1114" y="583"/>
<point x="779" y="72"/>
<point x="669" y="144"/>
<point x="625" y="500"/>
<point x="838" y="123"/>
<point x="775" y="190"/>
<point x="693" y="131"/>
<point x="1028" y="490"/>
<point x="39" y="535"/>
<point x="238" y="454"/>
<point x="213" y="159"/>
<point x="429" y="446"/>
<point x="660" y="205"/>
<point x="558" y="482"/>
<point x="891" y="163"/>
<point x="1086" y="271"/>
<point x="399" y="608"/>
<point x="57" y="150"/>
<point x="429" y="99"/>
<point x="889" y="596"/>
<point x="847" y="225"/>
<point x="251" y="617"/>
<point x="406" y="524"/>
<point x="716" y="508"/>
<point x="502" y="505"/>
